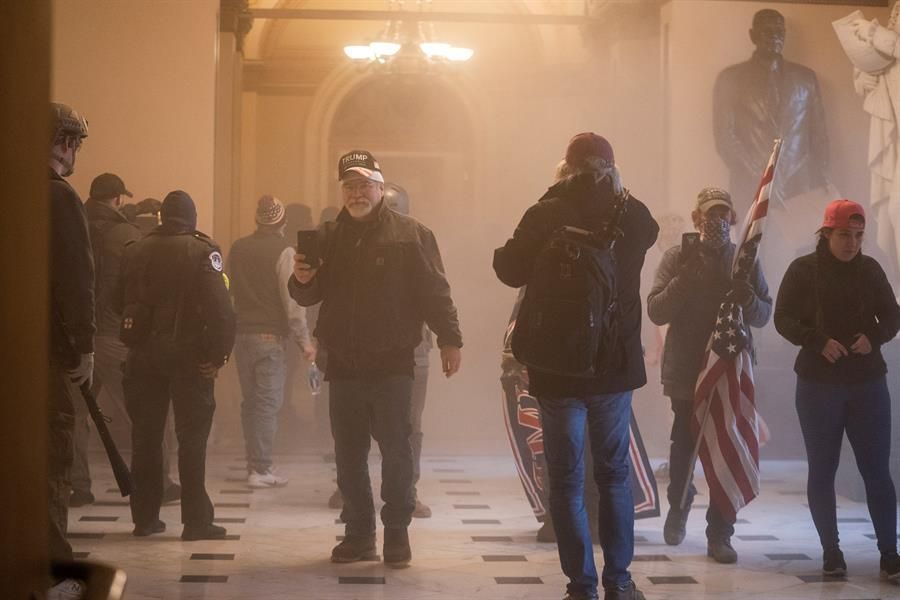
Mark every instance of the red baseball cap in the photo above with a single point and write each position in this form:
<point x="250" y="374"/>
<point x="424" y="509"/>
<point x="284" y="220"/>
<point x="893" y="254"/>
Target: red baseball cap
<point x="586" y="145"/>
<point x="839" y="212"/>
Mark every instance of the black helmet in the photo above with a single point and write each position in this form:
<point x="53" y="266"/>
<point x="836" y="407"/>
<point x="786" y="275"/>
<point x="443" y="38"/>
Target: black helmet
<point x="66" y="122"/>
<point x="396" y="198"/>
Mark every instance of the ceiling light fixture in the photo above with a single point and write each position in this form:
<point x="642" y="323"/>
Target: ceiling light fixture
<point x="406" y="45"/>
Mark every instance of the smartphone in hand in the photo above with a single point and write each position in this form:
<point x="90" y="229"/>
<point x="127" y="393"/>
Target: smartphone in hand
<point x="690" y="246"/>
<point x="308" y="246"/>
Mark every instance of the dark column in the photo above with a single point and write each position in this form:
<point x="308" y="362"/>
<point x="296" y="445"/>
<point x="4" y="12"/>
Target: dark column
<point x="24" y="265"/>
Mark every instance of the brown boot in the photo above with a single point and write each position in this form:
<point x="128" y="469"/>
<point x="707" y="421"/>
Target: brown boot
<point x="354" y="548"/>
<point x="397" y="552"/>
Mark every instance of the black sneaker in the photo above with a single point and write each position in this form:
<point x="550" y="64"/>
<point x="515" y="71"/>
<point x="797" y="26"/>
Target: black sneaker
<point x="80" y="498"/>
<point x="674" y="528"/>
<point x="624" y="592"/>
<point x="890" y="566"/>
<point x="721" y="551"/>
<point x="833" y="564"/>
<point x="397" y="552"/>
<point x="354" y="548"/>
<point x="192" y="533"/>
<point x="149" y="529"/>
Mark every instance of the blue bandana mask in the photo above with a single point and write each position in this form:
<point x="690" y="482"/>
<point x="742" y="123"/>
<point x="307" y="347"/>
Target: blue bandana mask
<point x="715" y="232"/>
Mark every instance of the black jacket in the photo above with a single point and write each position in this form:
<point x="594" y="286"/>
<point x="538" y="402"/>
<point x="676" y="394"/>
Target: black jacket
<point x="110" y="233"/>
<point x="175" y="280"/>
<point x="821" y="298"/>
<point x="71" y="273"/>
<point x="689" y="308"/>
<point x="579" y="202"/>
<point x="380" y="280"/>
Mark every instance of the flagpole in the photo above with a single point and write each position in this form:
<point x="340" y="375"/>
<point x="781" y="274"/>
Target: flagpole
<point x="749" y="221"/>
<point x="694" y="454"/>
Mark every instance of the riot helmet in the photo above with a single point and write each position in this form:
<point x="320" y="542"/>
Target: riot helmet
<point x="66" y="122"/>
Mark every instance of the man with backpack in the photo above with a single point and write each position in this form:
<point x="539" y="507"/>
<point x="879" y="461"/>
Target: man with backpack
<point x="691" y="282"/>
<point x="580" y="250"/>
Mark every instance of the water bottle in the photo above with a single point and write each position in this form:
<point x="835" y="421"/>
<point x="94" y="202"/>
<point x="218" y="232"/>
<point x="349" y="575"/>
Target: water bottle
<point x="314" y="378"/>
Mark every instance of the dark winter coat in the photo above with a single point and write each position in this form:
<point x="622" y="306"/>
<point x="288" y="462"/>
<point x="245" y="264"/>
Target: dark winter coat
<point x="110" y="233"/>
<point x="821" y="298"/>
<point x="689" y="307"/>
<point x="380" y="280"/>
<point x="71" y="273"/>
<point x="580" y="202"/>
<point x="174" y="280"/>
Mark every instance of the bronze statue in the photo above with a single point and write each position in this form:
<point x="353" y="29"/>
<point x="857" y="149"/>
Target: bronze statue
<point x="765" y="98"/>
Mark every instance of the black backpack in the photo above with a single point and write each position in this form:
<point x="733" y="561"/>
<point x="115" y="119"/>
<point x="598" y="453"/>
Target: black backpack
<point x="568" y="322"/>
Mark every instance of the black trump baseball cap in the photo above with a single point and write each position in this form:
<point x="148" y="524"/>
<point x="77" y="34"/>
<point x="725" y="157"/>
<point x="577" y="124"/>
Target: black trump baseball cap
<point x="361" y="162"/>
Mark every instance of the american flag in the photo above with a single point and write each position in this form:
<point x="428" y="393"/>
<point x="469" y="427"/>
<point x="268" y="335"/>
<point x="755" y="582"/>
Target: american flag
<point x="726" y="424"/>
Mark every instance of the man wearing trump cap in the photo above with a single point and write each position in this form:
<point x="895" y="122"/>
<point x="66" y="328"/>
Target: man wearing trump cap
<point x="691" y="283"/>
<point x="379" y="277"/>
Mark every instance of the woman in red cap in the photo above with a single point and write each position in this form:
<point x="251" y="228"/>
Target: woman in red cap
<point x="838" y="306"/>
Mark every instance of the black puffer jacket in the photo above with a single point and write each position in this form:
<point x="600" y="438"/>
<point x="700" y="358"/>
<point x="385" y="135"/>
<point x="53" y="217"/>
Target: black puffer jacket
<point x="689" y="308"/>
<point x="580" y="202"/>
<point x="821" y="298"/>
<point x="380" y="280"/>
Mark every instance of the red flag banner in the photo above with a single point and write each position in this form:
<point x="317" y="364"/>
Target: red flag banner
<point x="726" y="424"/>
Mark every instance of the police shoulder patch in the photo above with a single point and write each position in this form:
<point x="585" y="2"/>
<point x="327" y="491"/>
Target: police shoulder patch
<point x="215" y="259"/>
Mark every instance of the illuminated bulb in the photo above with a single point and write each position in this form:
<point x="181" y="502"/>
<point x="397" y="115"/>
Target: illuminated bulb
<point x="434" y="49"/>
<point x="458" y="54"/>
<point x="359" y="52"/>
<point x="380" y="49"/>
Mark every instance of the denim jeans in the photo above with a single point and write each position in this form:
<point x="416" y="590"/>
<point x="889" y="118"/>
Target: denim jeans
<point x="863" y="410"/>
<point x="419" y="392"/>
<point x="608" y="419"/>
<point x="718" y="526"/>
<point x="261" y="371"/>
<point x="362" y="409"/>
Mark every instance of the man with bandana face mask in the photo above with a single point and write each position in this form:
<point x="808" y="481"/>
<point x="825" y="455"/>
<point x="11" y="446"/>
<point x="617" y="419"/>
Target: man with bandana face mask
<point x="686" y="294"/>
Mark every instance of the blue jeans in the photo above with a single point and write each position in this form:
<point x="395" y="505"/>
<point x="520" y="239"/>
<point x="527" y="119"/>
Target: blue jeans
<point x="361" y="410"/>
<point x="261" y="370"/>
<point x="863" y="410"/>
<point x="608" y="419"/>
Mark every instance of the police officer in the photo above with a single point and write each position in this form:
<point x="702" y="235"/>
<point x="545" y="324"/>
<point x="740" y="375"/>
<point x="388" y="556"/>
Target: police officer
<point x="71" y="316"/>
<point x="179" y="326"/>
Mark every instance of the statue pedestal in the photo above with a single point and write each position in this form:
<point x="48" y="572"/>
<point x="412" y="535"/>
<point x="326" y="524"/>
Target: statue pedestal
<point x="848" y="482"/>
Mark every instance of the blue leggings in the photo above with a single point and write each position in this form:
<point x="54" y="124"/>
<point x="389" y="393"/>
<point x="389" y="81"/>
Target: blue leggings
<point x="863" y="410"/>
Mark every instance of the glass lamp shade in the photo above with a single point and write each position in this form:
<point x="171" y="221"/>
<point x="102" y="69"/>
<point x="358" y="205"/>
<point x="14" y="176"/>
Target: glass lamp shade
<point x="359" y="52"/>
<point x="458" y="54"/>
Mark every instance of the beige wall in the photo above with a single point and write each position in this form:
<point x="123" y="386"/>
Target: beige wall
<point x="143" y="73"/>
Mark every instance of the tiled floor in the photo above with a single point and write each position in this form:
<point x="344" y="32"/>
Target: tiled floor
<point x="479" y="543"/>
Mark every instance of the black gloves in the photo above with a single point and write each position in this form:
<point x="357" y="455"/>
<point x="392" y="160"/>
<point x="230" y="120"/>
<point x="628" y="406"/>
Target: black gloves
<point x="741" y="292"/>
